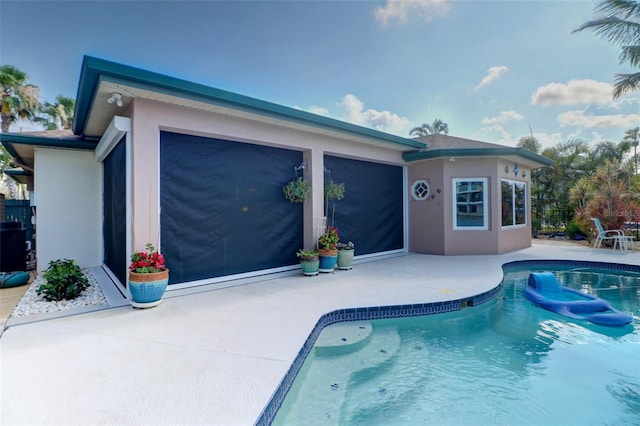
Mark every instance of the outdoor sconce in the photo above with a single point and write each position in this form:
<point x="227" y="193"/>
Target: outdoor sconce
<point x="117" y="98"/>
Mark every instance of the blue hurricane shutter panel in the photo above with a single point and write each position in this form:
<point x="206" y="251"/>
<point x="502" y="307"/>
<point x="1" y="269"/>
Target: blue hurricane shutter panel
<point x="223" y="210"/>
<point x="371" y="212"/>
<point x="114" y="227"/>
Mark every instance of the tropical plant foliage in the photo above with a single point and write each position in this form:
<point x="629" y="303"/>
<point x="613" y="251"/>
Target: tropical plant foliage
<point x="18" y="99"/>
<point x="425" y="129"/>
<point x="58" y="115"/>
<point x="584" y="182"/>
<point x="618" y="22"/>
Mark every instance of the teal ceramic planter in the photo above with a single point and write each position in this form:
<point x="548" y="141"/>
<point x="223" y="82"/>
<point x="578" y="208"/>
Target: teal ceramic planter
<point x="310" y="266"/>
<point x="328" y="260"/>
<point x="345" y="259"/>
<point x="147" y="289"/>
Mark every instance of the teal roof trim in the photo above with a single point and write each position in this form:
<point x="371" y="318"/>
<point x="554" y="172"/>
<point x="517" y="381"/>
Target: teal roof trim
<point x="17" y="172"/>
<point x="475" y="152"/>
<point x="94" y="69"/>
<point x="8" y="138"/>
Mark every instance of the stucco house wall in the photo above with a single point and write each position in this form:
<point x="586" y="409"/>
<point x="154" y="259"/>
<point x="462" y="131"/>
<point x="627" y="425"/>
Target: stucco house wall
<point x="69" y="206"/>
<point x="68" y="181"/>
<point x="150" y="117"/>
<point x="431" y="221"/>
<point x="426" y="217"/>
<point x="515" y="237"/>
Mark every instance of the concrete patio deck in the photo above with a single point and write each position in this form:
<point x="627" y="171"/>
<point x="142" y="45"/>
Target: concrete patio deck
<point x="216" y="357"/>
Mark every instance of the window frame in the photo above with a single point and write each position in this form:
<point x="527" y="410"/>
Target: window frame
<point x="485" y="203"/>
<point x="514" y="205"/>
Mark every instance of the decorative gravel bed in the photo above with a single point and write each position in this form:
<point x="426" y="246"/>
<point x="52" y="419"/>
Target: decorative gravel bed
<point x="32" y="304"/>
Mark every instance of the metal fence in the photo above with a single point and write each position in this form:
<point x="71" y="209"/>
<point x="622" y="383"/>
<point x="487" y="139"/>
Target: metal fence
<point x="20" y="211"/>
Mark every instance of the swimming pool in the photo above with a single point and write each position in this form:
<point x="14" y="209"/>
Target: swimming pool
<point x="503" y="362"/>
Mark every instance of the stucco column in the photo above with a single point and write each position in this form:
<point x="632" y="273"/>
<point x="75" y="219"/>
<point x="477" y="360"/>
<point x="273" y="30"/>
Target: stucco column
<point x="145" y="164"/>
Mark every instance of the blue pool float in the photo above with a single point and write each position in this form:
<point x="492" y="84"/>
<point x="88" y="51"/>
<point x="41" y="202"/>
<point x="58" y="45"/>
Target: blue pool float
<point x="543" y="290"/>
<point x="13" y="279"/>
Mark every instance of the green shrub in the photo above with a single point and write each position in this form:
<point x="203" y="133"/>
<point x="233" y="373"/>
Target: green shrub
<point x="573" y="229"/>
<point x="64" y="280"/>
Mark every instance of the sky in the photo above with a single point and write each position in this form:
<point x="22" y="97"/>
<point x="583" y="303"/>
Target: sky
<point x="494" y="71"/>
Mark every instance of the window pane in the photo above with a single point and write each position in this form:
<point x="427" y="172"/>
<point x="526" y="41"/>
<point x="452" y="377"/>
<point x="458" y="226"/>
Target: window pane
<point x="507" y="203"/>
<point x="470" y="204"/>
<point x="520" y="205"/>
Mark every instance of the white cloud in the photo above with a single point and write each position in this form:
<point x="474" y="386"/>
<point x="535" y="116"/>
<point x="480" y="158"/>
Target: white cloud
<point x="548" y="140"/>
<point x="319" y="110"/>
<point x="492" y="74"/>
<point x="503" y="117"/>
<point x="386" y="121"/>
<point x="589" y="121"/>
<point x="489" y="134"/>
<point x="575" y="92"/>
<point x="401" y="10"/>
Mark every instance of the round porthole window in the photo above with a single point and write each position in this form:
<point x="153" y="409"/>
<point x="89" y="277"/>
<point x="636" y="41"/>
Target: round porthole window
<point x="420" y="190"/>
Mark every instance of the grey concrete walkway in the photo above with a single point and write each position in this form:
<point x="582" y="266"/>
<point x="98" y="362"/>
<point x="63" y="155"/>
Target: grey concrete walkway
<point x="216" y="357"/>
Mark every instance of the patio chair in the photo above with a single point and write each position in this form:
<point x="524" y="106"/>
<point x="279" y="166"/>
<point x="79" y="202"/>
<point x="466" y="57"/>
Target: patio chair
<point x="620" y="240"/>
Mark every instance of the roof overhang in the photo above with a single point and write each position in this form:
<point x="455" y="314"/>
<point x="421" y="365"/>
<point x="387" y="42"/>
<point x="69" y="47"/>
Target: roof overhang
<point x="520" y="155"/>
<point x="22" y="147"/>
<point x="19" y="174"/>
<point x="99" y="79"/>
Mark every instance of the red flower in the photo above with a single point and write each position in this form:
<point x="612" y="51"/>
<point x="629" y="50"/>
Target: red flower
<point x="145" y="263"/>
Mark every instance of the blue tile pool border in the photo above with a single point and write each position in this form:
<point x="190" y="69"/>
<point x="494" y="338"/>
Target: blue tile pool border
<point x="565" y="264"/>
<point x="418" y="309"/>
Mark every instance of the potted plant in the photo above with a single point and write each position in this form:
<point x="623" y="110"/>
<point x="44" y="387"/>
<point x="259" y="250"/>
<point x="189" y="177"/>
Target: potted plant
<point x="309" y="261"/>
<point x="332" y="191"/>
<point x="328" y="249"/>
<point x="297" y="190"/>
<point x="148" y="278"/>
<point x="345" y="255"/>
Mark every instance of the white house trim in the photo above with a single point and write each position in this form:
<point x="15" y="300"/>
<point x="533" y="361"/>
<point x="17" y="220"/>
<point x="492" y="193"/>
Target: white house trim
<point x="118" y="127"/>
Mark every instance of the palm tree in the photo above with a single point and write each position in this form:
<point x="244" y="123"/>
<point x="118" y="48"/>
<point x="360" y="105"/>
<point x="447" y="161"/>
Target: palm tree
<point x="530" y="143"/>
<point x="620" y="25"/>
<point x="438" y="126"/>
<point x="17" y="98"/>
<point x="551" y="185"/>
<point x="632" y="136"/>
<point x="59" y="114"/>
<point x="607" y="150"/>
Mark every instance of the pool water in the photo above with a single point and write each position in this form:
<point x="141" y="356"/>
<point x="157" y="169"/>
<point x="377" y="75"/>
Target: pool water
<point x="505" y="362"/>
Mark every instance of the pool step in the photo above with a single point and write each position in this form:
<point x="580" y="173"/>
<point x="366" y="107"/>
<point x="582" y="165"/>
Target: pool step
<point x="334" y="362"/>
<point x="373" y="393"/>
<point x="342" y="338"/>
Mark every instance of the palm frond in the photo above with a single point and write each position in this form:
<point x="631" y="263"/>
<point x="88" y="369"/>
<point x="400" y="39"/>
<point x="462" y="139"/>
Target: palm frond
<point x="624" y="8"/>
<point x="615" y="30"/>
<point x="630" y="54"/>
<point x="625" y="83"/>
